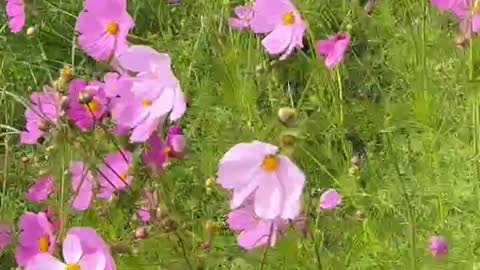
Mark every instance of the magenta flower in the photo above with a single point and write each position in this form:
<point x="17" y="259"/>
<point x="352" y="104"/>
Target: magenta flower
<point x="92" y="243"/>
<point x="36" y="237"/>
<point x="256" y="169"/>
<point x="16" y="15"/>
<point x="438" y="246"/>
<point x="330" y="199"/>
<point x="84" y="113"/>
<point x="282" y="23"/>
<point x="149" y="206"/>
<point x="155" y="94"/>
<point x="40" y="190"/>
<point x="159" y="153"/>
<point x="469" y="12"/>
<point x="82" y="186"/>
<point x="254" y="232"/>
<point x="43" y="113"/>
<point x="114" y="175"/>
<point x="333" y="49"/>
<point x="103" y="28"/>
<point x="244" y="16"/>
<point x="5" y="236"/>
<point x="74" y="257"/>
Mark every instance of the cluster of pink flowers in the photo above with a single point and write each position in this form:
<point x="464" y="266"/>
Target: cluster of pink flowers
<point x="284" y="28"/>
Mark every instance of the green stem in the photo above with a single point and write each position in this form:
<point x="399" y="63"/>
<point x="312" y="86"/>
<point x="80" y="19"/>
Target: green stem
<point x="410" y="212"/>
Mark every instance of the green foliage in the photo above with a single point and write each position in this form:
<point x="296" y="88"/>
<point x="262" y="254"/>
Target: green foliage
<point x="408" y="102"/>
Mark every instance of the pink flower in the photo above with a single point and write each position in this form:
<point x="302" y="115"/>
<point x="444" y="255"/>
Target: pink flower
<point x="88" y="104"/>
<point x="40" y="190"/>
<point x="36" y="237"/>
<point x="149" y="207"/>
<point x="438" y="246"/>
<point x="74" y="256"/>
<point x="103" y="28"/>
<point x="330" y="199"/>
<point x="469" y="12"/>
<point x="5" y="236"/>
<point x="43" y="112"/>
<point x="114" y="175"/>
<point x="256" y="169"/>
<point x="16" y="14"/>
<point x="244" y="16"/>
<point x="92" y="243"/>
<point x="333" y="49"/>
<point x="155" y="94"/>
<point x="159" y="153"/>
<point x="254" y="232"/>
<point x="282" y="23"/>
<point x="116" y="84"/>
<point x="82" y="186"/>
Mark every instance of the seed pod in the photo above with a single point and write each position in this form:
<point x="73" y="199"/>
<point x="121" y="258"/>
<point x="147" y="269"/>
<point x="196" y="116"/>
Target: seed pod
<point x="85" y="98"/>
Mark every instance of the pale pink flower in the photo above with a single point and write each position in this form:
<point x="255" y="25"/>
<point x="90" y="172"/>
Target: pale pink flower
<point x="16" y="15"/>
<point x="154" y="96"/>
<point x="114" y="175"/>
<point x="82" y="186"/>
<point x="333" y="49"/>
<point x="73" y="255"/>
<point x="256" y="169"/>
<point x="244" y="16"/>
<point x="149" y="206"/>
<point x="36" y="237"/>
<point x="92" y="243"/>
<point x="41" y="115"/>
<point x="103" y="28"/>
<point x="40" y="190"/>
<point x="254" y="231"/>
<point x="330" y="199"/>
<point x="282" y="23"/>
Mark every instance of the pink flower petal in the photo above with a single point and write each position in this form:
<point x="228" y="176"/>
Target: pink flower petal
<point x="45" y="261"/>
<point x="72" y="250"/>
<point x="40" y="190"/>
<point x="330" y="199"/>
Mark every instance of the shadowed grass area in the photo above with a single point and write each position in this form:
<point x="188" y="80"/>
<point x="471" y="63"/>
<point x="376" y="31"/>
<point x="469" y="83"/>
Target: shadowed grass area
<point x="406" y="98"/>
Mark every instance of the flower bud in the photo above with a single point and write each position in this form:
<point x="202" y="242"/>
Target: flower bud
<point x="141" y="233"/>
<point x="85" y="98"/>
<point x="205" y="246"/>
<point x="211" y="226"/>
<point x="31" y="30"/>
<point x="209" y="182"/>
<point x="64" y="103"/>
<point x="288" y="139"/>
<point x="44" y="126"/>
<point x="355" y="161"/>
<point x="66" y="74"/>
<point x="359" y="216"/>
<point x="438" y="246"/>
<point x="287" y="115"/>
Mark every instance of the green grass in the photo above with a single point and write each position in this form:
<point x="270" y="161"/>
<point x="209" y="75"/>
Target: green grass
<point x="410" y="100"/>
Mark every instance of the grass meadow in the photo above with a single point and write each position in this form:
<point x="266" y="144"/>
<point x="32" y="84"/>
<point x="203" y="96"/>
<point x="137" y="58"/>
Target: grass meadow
<point x="406" y="100"/>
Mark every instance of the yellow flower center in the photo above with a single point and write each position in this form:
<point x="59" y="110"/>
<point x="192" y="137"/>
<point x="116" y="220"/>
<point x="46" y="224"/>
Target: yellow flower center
<point x="288" y="18"/>
<point x="73" y="267"/>
<point x="147" y="103"/>
<point x="112" y="28"/>
<point x="123" y="176"/>
<point x="43" y="243"/>
<point x="476" y="7"/>
<point x="168" y="150"/>
<point x="270" y="163"/>
<point x="93" y="106"/>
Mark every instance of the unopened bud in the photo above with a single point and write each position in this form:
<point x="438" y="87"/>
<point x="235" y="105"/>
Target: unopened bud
<point x="66" y="73"/>
<point x="141" y="233"/>
<point x="205" y="246"/>
<point x="211" y="226"/>
<point x="355" y="160"/>
<point x="288" y="139"/>
<point x="158" y="213"/>
<point x="31" y="30"/>
<point x="26" y="160"/>
<point x="50" y="148"/>
<point x="353" y="170"/>
<point x="461" y="41"/>
<point x="287" y="115"/>
<point x="359" y="216"/>
<point x="85" y="98"/>
<point x="65" y="101"/>
<point x="209" y="182"/>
